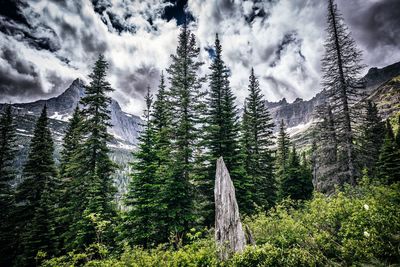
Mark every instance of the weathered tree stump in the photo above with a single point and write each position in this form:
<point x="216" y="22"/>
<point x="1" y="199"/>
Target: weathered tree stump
<point x="229" y="234"/>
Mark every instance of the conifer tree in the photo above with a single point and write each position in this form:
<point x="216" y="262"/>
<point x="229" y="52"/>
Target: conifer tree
<point x="296" y="182"/>
<point x="94" y="191"/>
<point x="69" y="178"/>
<point x="221" y="131"/>
<point x="187" y="105"/>
<point x="35" y="195"/>
<point x="258" y="126"/>
<point x="372" y="137"/>
<point x="282" y="152"/>
<point x="341" y="70"/>
<point x="71" y="143"/>
<point x="325" y="150"/>
<point x="161" y="121"/>
<point x="389" y="158"/>
<point x="140" y="226"/>
<point x="8" y="151"/>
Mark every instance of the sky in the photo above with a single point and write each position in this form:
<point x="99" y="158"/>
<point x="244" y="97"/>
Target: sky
<point x="46" y="44"/>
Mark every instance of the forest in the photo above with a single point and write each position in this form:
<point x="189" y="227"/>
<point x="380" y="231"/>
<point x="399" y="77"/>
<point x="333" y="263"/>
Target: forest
<point x="334" y="203"/>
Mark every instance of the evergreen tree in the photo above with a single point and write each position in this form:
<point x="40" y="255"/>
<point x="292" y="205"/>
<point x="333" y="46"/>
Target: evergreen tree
<point x="371" y="141"/>
<point x="187" y="105"/>
<point x="93" y="185"/>
<point x="258" y="128"/>
<point x="341" y="70"/>
<point x="141" y="225"/>
<point x="68" y="172"/>
<point x="71" y="143"/>
<point x="161" y="120"/>
<point x="296" y="182"/>
<point x="35" y="195"/>
<point x="325" y="150"/>
<point x="221" y="131"/>
<point x="8" y="151"/>
<point x="389" y="158"/>
<point x="282" y="153"/>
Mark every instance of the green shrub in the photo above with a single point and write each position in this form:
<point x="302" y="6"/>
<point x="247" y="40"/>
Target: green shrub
<point x="358" y="226"/>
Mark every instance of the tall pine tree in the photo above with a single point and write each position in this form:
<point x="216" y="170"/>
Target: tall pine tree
<point x="142" y="225"/>
<point x="325" y="165"/>
<point x="70" y="184"/>
<point x="94" y="199"/>
<point x="8" y="151"/>
<point x="389" y="158"/>
<point x="187" y="105"/>
<point x="35" y="195"/>
<point x="257" y="127"/>
<point x="341" y="70"/>
<point x="221" y="132"/>
<point x="373" y="130"/>
<point x="282" y="154"/>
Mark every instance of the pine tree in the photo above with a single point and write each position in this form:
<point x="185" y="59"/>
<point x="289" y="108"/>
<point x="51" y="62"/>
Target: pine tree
<point x="296" y="182"/>
<point x="35" y="195"/>
<point x="69" y="180"/>
<point x="389" y="158"/>
<point x="161" y="119"/>
<point x="341" y="70"/>
<point x="141" y="225"/>
<point x="71" y="143"/>
<point x="187" y="105"/>
<point x="282" y="154"/>
<point x="371" y="140"/>
<point x="221" y="132"/>
<point x="258" y="128"/>
<point x="8" y="151"/>
<point x="325" y="150"/>
<point x="94" y="191"/>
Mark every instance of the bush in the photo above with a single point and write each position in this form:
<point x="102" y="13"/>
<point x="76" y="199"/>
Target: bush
<point x="358" y="226"/>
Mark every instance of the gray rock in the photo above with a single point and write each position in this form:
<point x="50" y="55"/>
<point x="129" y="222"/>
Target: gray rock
<point x="229" y="234"/>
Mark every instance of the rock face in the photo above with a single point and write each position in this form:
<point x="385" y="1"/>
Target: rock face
<point x="125" y="127"/>
<point x="301" y="112"/>
<point x="229" y="233"/>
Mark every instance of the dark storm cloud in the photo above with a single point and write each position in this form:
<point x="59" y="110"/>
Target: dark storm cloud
<point x="14" y="23"/>
<point x="377" y="24"/>
<point x="136" y="83"/>
<point x="18" y="77"/>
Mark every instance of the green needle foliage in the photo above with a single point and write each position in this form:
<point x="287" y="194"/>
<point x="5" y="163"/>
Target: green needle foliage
<point x="389" y="158"/>
<point x="257" y="129"/>
<point x="8" y="151"/>
<point x="93" y="189"/>
<point x="35" y="195"/>
<point x="142" y="225"/>
<point x="221" y="132"/>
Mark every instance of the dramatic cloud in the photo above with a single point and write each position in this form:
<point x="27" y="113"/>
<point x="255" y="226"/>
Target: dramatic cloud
<point x="45" y="44"/>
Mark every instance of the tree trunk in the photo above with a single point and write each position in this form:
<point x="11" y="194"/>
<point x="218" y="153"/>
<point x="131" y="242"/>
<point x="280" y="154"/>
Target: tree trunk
<point x="229" y="234"/>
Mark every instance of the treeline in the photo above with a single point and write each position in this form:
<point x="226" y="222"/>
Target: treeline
<point x="70" y="208"/>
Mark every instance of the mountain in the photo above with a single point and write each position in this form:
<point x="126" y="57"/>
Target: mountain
<point x="298" y="116"/>
<point x="387" y="97"/>
<point x="125" y="129"/>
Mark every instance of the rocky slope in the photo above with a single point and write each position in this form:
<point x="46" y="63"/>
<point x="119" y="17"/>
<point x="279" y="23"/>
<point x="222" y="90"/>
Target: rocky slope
<point x="387" y="97"/>
<point x="125" y="128"/>
<point x="299" y="114"/>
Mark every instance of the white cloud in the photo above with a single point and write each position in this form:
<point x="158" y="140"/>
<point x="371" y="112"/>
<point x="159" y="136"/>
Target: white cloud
<point x="284" y="43"/>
